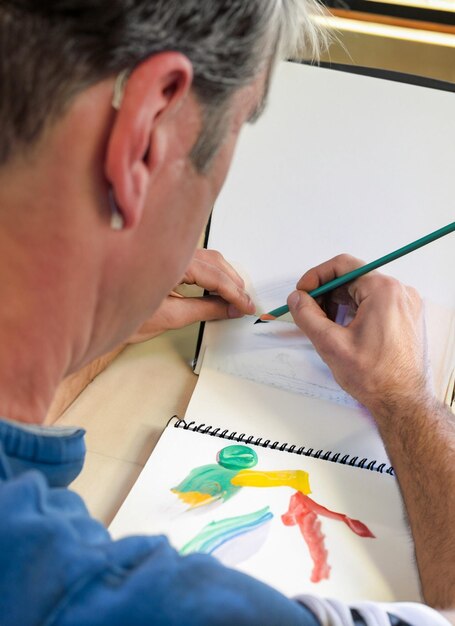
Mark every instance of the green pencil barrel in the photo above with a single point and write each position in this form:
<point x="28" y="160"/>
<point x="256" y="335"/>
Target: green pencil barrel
<point x="374" y="265"/>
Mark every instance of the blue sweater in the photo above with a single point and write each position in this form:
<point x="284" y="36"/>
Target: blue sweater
<point x="60" y="566"/>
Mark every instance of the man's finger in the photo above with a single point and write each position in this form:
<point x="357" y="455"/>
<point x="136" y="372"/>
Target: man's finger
<point x="217" y="281"/>
<point x="325" y="272"/>
<point x="216" y="259"/>
<point x="373" y="284"/>
<point x="190" y="310"/>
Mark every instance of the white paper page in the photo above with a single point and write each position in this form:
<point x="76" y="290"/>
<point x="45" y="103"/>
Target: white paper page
<point x="342" y="163"/>
<point x="280" y="355"/>
<point x="361" y="568"/>
<point x="238" y="405"/>
<point x="277" y="354"/>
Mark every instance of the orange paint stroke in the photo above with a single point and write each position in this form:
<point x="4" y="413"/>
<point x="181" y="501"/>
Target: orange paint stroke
<point x="194" y="498"/>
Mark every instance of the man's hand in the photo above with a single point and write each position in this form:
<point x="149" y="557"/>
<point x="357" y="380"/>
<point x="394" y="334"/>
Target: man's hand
<point x="380" y="359"/>
<point x="210" y="271"/>
<point x="380" y="356"/>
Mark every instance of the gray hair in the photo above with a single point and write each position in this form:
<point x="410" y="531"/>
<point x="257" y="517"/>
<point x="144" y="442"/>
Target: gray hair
<point x="67" y="45"/>
<point x="284" y="29"/>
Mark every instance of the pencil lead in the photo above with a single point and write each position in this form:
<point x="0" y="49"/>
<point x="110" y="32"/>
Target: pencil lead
<point x="259" y="321"/>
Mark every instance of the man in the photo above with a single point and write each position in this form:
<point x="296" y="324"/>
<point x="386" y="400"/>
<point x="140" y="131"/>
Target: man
<point x="117" y="122"/>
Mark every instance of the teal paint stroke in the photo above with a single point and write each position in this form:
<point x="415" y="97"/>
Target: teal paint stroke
<point x="237" y="457"/>
<point x="212" y="480"/>
<point x="215" y="480"/>
<point x="218" y="533"/>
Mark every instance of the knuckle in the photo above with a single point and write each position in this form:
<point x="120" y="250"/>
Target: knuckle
<point x="346" y="259"/>
<point x="199" y="254"/>
<point x="214" y="255"/>
<point x="389" y="286"/>
<point x="392" y="286"/>
<point x="414" y="295"/>
<point x="346" y="262"/>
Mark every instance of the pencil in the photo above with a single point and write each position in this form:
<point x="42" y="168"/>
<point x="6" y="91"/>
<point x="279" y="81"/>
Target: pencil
<point x="361" y="271"/>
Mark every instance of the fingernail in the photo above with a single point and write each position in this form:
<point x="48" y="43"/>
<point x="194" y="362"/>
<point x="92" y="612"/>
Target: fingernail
<point x="233" y="312"/>
<point x="294" y="299"/>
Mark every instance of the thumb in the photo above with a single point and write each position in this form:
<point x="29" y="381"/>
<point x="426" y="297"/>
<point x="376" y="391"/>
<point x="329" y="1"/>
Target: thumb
<point x="310" y="318"/>
<point x="206" y="308"/>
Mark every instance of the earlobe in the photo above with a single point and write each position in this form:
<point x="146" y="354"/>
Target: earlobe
<point x="117" y="221"/>
<point x="136" y="147"/>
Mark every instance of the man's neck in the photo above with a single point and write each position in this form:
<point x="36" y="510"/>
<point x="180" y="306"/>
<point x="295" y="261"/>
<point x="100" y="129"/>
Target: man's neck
<point x="44" y="330"/>
<point x="54" y="276"/>
<point x="30" y="370"/>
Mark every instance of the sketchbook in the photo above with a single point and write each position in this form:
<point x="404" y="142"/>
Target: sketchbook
<point x="274" y="468"/>
<point x="298" y="523"/>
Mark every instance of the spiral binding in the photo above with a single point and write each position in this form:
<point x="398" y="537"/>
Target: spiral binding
<point x="251" y="440"/>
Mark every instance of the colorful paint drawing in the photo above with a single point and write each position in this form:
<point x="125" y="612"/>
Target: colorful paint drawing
<point x="212" y="538"/>
<point x="209" y="483"/>
<point x="224" y="479"/>
<point x="304" y="513"/>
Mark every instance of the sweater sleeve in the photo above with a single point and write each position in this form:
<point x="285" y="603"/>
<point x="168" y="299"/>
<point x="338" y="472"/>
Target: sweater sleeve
<point x="335" y="613"/>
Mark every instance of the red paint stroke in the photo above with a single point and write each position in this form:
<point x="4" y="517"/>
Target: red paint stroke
<point x="304" y="512"/>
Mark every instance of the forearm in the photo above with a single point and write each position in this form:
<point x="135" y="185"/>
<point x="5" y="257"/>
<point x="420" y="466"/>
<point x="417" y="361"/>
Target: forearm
<point x="420" y="440"/>
<point x="380" y="358"/>
<point x="74" y="384"/>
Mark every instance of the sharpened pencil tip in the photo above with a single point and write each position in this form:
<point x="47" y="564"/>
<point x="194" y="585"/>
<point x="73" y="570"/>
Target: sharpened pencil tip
<point x="266" y="317"/>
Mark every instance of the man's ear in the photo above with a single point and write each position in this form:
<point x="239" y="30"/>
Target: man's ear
<point x="136" y="145"/>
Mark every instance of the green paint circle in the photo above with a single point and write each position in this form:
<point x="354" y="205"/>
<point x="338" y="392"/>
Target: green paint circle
<point x="237" y="457"/>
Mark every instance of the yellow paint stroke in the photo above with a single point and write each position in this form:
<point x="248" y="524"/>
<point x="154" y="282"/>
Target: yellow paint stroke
<point x="297" y="479"/>
<point x="194" y="498"/>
